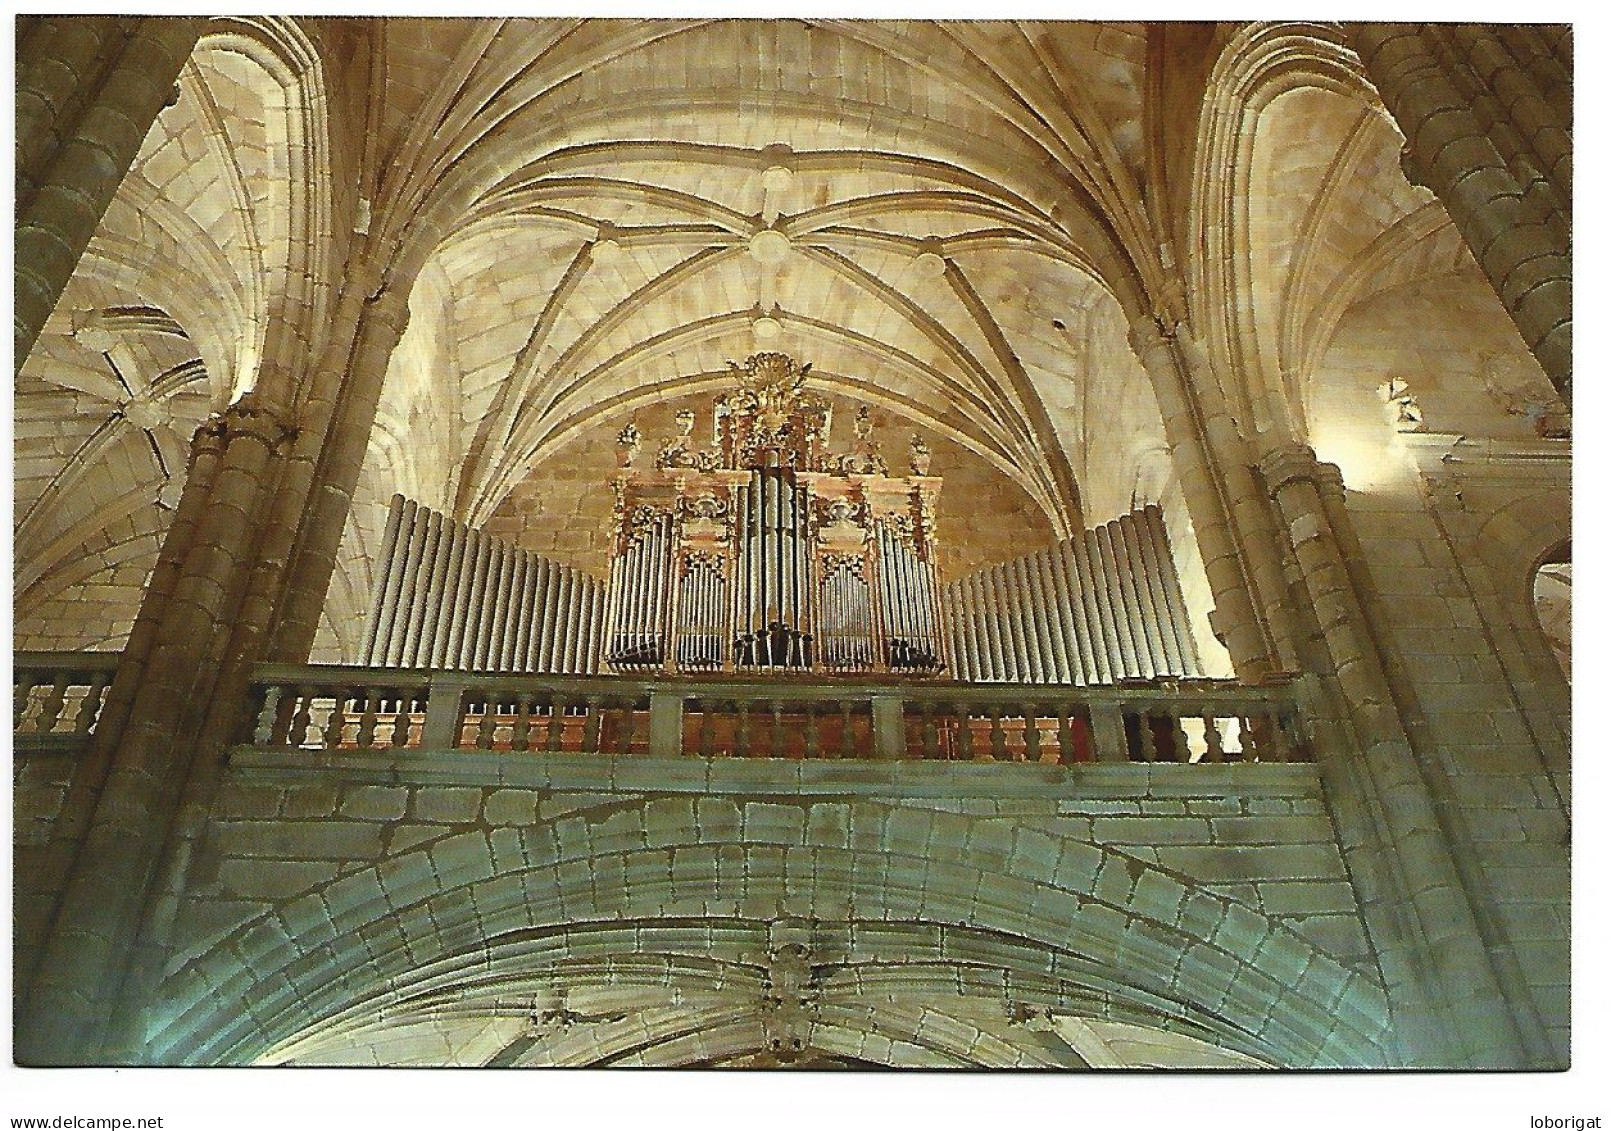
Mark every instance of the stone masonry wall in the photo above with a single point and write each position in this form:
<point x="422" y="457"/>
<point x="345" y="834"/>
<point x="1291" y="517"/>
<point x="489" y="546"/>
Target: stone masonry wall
<point x="1494" y="704"/>
<point x="401" y="859"/>
<point x="39" y="784"/>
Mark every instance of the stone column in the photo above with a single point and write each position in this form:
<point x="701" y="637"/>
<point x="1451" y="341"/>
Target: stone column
<point x="1491" y="135"/>
<point x="150" y="752"/>
<point x="1226" y="506"/>
<point x="89" y="775"/>
<point x="88" y="89"/>
<point x="339" y="417"/>
<point x="1417" y="904"/>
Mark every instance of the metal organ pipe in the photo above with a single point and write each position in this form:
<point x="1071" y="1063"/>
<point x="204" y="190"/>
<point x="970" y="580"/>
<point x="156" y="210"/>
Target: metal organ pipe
<point x="1169" y="585"/>
<point x="1140" y="574"/>
<point x="1034" y="625"/>
<point x="451" y="595"/>
<point x="1135" y="614"/>
<point x="454" y="598"/>
<point x="388" y="550"/>
<point x="1102" y="606"/>
<point x="414" y="545"/>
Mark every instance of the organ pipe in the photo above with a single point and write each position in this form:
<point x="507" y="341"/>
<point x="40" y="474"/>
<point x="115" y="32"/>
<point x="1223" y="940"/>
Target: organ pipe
<point x="768" y="554"/>
<point x="1101" y="607"/>
<point x="453" y="598"/>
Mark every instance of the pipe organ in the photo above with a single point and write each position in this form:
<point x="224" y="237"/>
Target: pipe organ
<point x="1096" y="609"/>
<point x="762" y="552"/>
<point x="449" y="597"/>
<point x="765" y="552"/>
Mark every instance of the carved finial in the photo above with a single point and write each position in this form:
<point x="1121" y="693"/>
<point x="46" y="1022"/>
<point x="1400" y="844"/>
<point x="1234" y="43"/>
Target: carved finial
<point x="628" y="441"/>
<point x="922" y="457"/>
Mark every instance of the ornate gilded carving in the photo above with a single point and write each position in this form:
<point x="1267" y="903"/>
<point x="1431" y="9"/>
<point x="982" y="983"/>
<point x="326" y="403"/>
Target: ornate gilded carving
<point x="628" y="441"/>
<point x="922" y="457"/>
<point x="762" y="519"/>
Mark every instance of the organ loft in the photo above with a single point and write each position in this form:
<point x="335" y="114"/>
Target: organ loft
<point x="792" y="543"/>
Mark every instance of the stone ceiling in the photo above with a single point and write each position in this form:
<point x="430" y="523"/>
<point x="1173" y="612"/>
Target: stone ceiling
<point x="953" y="222"/>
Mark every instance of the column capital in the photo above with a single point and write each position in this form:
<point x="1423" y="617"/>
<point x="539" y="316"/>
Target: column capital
<point x="388" y="308"/>
<point x="248" y="418"/>
<point x="1149" y="332"/>
<point x="1286" y="464"/>
<point x="210" y="438"/>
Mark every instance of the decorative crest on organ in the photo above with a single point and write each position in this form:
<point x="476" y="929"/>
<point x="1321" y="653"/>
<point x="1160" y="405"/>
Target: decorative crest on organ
<point x="765" y="551"/>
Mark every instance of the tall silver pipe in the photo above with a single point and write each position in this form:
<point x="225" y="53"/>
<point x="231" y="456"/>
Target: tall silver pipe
<point x="994" y="665"/>
<point x="397" y="624"/>
<point x="455" y="534"/>
<point x="985" y="663"/>
<point x="595" y="621"/>
<point x="1072" y="612"/>
<point x="960" y="601"/>
<point x="564" y="649"/>
<point x="1124" y="577"/>
<point x="1006" y="667"/>
<point x="490" y="608"/>
<point x="1052" y="625"/>
<point x="520" y="635"/>
<point x="1034" y="626"/>
<point x="427" y="585"/>
<point x="465" y="627"/>
<point x="1015" y="625"/>
<point x="1114" y="619"/>
<point x="1035" y="623"/>
<point x="551" y="610"/>
<point x="1174" y="599"/>
<point x="541" y="626"/>
<point x="499" y="624"/>
<point x="1123" y="615"/>
<point x="1104" y="645"/>
<point x="512" y="610"/>
<point x="1147" y="599"/>
<point x="592" y="621"/>
<point x="382" y="579"/>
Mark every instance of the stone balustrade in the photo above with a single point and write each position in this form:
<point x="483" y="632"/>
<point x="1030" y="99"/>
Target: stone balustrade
<point x="348" y="708"/>
<point x="56" y="697"/>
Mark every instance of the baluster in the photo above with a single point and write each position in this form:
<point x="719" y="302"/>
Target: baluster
<point x="367" y="722"/>
<point x="268" y="717"/>
<point x="51" y="709"/>
<point x="1279" y="746"/>
<point x="1251" y="743"/>
<point x="485" y="732"/>
<point x="1149" y="736"/>
<point x="1177" y="736"/>
<point x="931" y="732"/>
<point x="847" y="735"/>
<point x="337" y="722"/>
<point x="629" y="726"/>
<point x="592" y="725"/>
<point x="964" y="732"/>
<point x="779" y="749"/>
<point x="302" y="718"/>
<point x="1032" y="732"/>
<point x="707" y="728"/>
<point x="998" y="736"/>
<point x="22" y="687"/>
<point x="741" y="744"/>
<point x="556" y="724"/>
<point x="813" y="732"/>
<point x="403" y="721"/>
<point x="1211" y="735"/>
<point x="1066" y="753"/>
<point x="521" y="738"/>
<point x="89" y="707"/>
